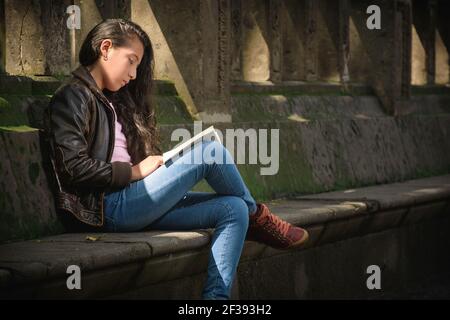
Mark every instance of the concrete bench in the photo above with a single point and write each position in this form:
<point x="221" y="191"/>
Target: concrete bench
<point x="372" y="225"/>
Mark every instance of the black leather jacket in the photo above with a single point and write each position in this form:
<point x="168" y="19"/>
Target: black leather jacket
<point x="79" y="126"/>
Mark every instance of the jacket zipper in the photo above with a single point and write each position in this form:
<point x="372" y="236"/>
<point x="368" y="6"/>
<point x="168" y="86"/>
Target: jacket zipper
<point x="110" y="151"/>
<point x="111" y="127"/>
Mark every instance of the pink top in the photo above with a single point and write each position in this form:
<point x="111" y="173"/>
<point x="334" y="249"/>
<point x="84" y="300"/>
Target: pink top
<point x="120" y="152"/>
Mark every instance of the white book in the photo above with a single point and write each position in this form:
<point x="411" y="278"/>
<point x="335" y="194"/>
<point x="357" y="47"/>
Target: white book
<point x="180" y="148"/>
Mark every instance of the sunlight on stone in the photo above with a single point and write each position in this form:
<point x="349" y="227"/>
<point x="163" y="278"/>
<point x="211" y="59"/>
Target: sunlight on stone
<point x="255" y="53"/>
<point x="296" y="117"/>
<point x="442" y="58"/>
<point x="166" y="66"/>
<point x="418" y="67"/>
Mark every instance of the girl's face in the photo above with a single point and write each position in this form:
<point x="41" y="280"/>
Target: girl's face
<point x="121" y="64"/>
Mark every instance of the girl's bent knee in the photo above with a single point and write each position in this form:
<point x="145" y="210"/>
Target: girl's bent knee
<point x="239" y="210"/>
<point x="212" y="143"/>
<point x="215" y="152"/>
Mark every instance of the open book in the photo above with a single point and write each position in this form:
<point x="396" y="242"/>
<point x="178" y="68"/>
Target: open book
<point x="179" y="149"/>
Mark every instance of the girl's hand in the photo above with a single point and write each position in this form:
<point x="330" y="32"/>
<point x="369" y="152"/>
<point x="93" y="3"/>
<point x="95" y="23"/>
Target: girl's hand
<point x="145" y="167"/>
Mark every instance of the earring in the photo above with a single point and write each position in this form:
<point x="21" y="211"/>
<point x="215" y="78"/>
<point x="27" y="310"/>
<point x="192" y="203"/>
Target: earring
<point x="106" y="58"/>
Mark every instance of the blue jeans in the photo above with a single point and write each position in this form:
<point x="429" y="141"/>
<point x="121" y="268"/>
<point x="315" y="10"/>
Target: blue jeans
<point x="162" y="201"/>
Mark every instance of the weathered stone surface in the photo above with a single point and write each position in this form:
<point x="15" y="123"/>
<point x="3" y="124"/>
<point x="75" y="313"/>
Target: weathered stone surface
<point x="26" y="203"/>
<point x="326" y="142"/>
<point x="255" y="47"/>
<point x="2" y="40"/>
<point x="37" y="260"/>
<point x="337" y="218"/>
<point x="194" y="56"/>
<point x="160" y="242"/>
<point x="25" y="52"/>
<point x="361" y="148"/>
<point x="389" y="70"/>
<point x="394" y="195"/>
<point x="37" y="41"/>
<point x="406" y="256"/>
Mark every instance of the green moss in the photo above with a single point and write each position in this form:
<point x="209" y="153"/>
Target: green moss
<point x="33" y="172"/>
<point x="2" y="202"/>
<point x="254" y="109"/>
<point x="427" y="89"/>
<point x="171" y="110"/>
<point x="3" y="104"/>
<point x="9" y="198"/>
<point x="19" y="230"/>
<point x="45" y="87"/>
<point x="287" y="93"/>
<point x="60" y="76"/>
<point x="34" y="229"/>
<point x="20" y="226"/>
<point x="294" y="174"/>
<point x="425" y="173"/>
<point x="12" y="108"/>
<point x="10" y="111"/>
<point x="22" y="128"/>
<point x="263" y="109"/>
<point x="165" y="88"/>
<point x="202" y="186"/>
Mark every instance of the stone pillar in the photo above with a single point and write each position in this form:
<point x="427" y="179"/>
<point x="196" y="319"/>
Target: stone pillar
<point x="311" y="40"/>
<point x="293" y="41"/>
<point x="37" y="40"/>
<point x="403" y="21"/>
<point x="388" y="49"/>
<point x="276" y="40"/>
<point x="344" y="40"/>
<point x="25" y="53"/>
<point x="236" y="40"/>
<point x="214" y="103"/>
<point x="335" y="18"/>
<point x="2" y="37"/>
<point x="424" y="19"/>
<point x="216" y="61"/>
<point x="114" y="8"/>
<point x="56" y="41"/>
<point x="191" y="41"/>
<point x="216" y="40"/>
<point x="443" y="27"/>
<point x="90" y="16"/>
<point x="224" y="36"/>
<point x="255" y="41"/>
<point x="431" y="48"/>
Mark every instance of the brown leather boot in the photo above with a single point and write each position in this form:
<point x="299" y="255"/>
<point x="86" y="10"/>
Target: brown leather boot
<point x="267" y="228"/>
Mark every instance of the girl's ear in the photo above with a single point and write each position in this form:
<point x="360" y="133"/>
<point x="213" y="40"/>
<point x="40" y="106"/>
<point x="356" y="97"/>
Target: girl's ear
<point x="105" y="46"/>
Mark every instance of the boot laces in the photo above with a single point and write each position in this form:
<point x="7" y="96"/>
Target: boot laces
<point x="277" y="224"/>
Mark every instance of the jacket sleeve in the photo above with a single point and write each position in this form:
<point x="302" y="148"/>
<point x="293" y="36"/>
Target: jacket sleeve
<point x="68" y="112"/>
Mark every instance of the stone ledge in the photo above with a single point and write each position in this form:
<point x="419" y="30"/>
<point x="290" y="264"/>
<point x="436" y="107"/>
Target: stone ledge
<point x="38" y="267"/>
<point x="47" y="85"/>
<point x="300" y="88"/>
<point x="312" y="88"/>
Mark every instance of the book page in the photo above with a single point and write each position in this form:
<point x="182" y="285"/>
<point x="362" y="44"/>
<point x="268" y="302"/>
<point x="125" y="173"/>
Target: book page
<point x="187" y="144"/>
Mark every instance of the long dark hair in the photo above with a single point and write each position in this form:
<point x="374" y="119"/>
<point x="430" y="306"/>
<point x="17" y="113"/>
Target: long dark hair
<point x="133" y="102"/>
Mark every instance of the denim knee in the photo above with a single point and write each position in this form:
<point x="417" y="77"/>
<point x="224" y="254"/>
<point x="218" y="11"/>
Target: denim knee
<point x="220" y="154"/>
<point x="237" y="211"/>
<point x="213" y="143"/>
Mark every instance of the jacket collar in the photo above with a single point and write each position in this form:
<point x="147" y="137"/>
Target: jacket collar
<point x="85" y="76"/>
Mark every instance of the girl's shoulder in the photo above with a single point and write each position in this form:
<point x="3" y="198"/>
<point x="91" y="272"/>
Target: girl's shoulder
<point x="73" y="86"/>
<point x="72" y="95"/>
